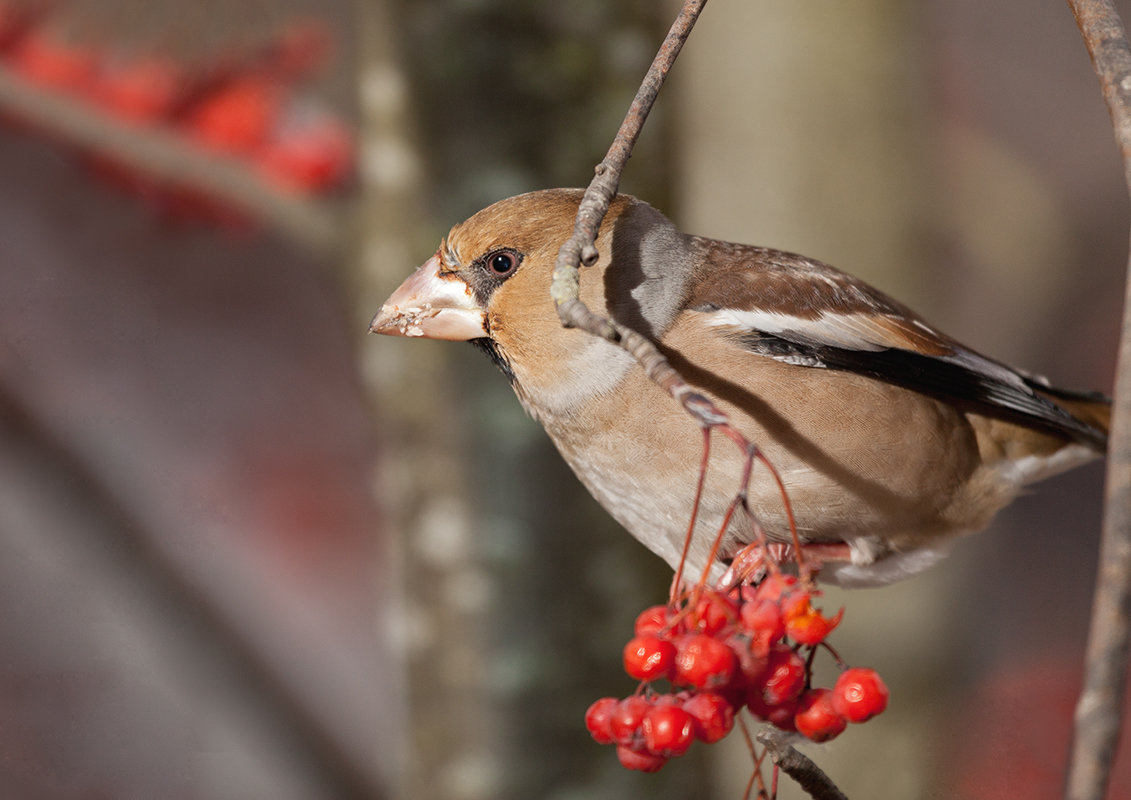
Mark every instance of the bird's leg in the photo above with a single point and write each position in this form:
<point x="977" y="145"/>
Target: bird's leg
<point x="749" y="565"/>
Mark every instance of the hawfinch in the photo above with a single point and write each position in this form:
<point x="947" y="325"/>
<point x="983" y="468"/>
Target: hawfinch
<point x="890" y="436"/>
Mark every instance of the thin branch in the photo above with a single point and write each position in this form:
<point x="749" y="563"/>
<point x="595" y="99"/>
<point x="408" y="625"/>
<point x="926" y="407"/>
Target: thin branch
<point x="172" y="159"/>
<point x="1099" y="709"/>
<point x="798" y="766"/>
<point x="581" y="247"/>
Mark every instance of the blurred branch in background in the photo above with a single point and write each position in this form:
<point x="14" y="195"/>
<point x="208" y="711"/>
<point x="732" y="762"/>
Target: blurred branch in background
<point x="170" y="158"/>
<point x="209" y="138"/>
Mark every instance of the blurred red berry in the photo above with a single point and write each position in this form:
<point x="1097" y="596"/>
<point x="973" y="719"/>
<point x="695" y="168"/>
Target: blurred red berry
<point x="16" y="21"/>
<point x="816" y="716"/>
<point x="668" y="730"/>
<point x="703" y="662"/>
<point x="312" y="157"/>
<point x="648" y="658"/>
<point x="48" y="60"/>
<point x="139" y="90"/>
<point x="713" y="715"/>
<point x="237" y="117"/>
<point x="625" y="719"/>
<point x="597" y="719"/>
<point x="639" y="760"/>
<point x="860" y="694"/>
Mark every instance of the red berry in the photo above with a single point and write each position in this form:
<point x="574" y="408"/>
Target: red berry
<point x="750" y="656"/>
<point x="784" y="677"/>
<point x="652" y="620"/>
<point x="714" y="612"/>
<point x="648" y="658"/>
<point x="639" y="760"/>
<point x="597" y="719"/>
<point x="816" y="716"/>
<point x="763" y="619"/>
<point x="779" y="715"/>
<point x="668" y="730"/>
<point x="775" y="585"/>
<point x="703" y="662"/>
<point x="624" y="722"/>
<point x="713" y="715"/>
<point x="795" y="600"/>
<point x="806" y="625"/>
<point x="860" y="694"/>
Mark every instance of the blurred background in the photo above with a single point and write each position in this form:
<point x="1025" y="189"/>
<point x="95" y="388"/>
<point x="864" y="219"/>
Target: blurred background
<point x="247" y="551"/>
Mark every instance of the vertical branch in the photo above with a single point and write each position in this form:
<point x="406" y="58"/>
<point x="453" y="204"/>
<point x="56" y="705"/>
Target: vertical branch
<point x="1099" y="709"/>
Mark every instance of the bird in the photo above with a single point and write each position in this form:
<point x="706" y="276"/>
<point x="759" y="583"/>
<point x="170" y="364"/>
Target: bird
<point x="891" y="438"/>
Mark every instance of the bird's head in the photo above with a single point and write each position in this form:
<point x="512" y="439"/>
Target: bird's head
<point x="489" y="283"/>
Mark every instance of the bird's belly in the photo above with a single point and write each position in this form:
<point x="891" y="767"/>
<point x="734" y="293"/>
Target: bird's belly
<point x="853" y="481"/>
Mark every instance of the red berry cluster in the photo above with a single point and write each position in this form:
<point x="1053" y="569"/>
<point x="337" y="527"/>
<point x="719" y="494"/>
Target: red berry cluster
<point x="244" y="105"/>
<point x="721" y="652"/>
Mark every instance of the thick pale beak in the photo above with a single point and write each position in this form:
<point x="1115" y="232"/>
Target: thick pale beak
<point x="432" y="304"/>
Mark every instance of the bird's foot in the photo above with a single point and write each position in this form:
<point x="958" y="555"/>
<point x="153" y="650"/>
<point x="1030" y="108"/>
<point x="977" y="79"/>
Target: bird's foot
<point x="751" y="563"/>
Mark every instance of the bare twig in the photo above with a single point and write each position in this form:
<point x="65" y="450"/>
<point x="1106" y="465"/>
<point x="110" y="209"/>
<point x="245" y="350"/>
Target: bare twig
<point x="1099" y="709"/>
<point x="581" y="248"/>
<point x="170" y="158"/>
<point x="798" y="766"/>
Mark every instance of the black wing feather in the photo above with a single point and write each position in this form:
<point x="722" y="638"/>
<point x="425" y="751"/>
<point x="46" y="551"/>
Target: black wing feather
<point x="946" y="378"/>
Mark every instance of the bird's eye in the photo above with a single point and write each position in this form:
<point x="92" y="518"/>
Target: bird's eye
<point x="502" y="263"/>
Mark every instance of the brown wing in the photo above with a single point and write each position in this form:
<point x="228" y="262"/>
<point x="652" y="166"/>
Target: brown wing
<point x="801" y="311"/>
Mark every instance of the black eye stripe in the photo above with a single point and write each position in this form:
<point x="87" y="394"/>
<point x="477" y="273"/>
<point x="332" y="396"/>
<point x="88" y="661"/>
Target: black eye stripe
<point x="490" y="270"/>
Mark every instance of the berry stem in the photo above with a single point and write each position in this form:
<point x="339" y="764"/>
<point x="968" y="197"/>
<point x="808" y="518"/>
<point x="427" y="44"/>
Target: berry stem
<point x="802" y="564"/>
<point x="739" y="500"/>
<point x="840" y="662"/>
<point x="673" y="596"/>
